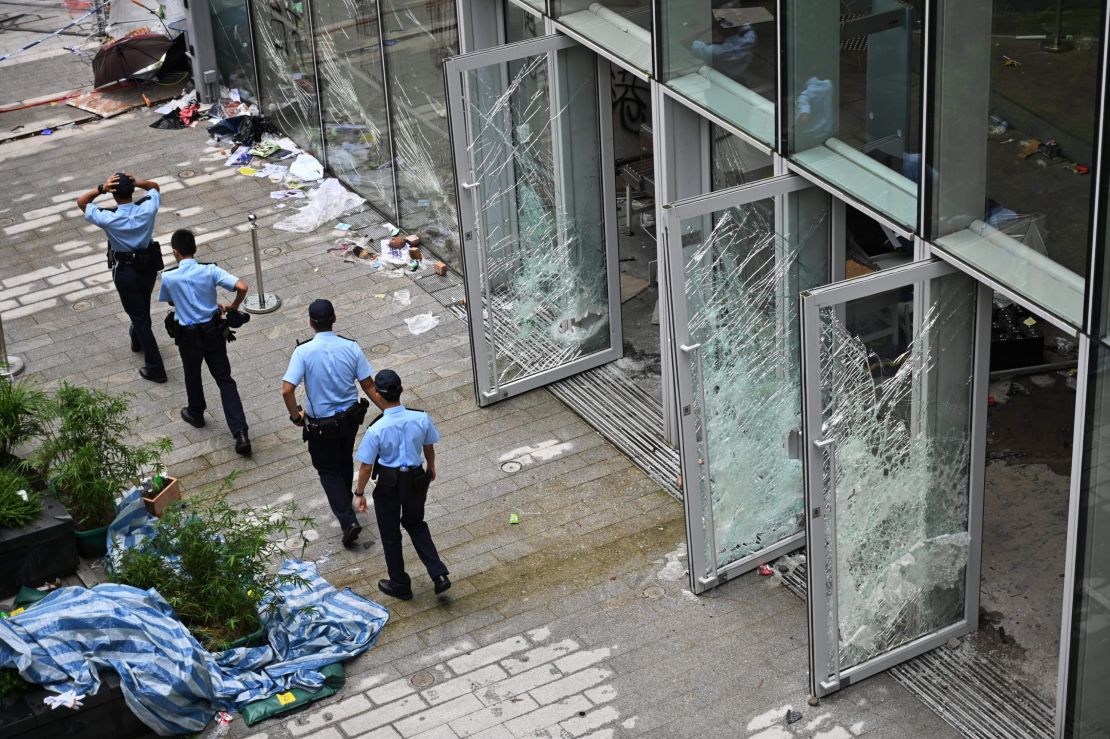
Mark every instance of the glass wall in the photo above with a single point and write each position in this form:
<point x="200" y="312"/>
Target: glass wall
<point x="1014" y="136"/>
<point x="231" y="35"/>
<point x="853" y="102"/>
<point x="287" y="84"/>
<point x="733" y="161"/>
<point x="352" y="99"/>
<point x="723" y="58"/>
<point x="418" y="37"/>
<point x="520" y="25"/>
<point x="621" y="26"/>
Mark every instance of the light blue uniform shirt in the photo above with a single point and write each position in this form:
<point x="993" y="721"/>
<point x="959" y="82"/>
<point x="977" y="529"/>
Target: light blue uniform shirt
<point x="192" y="290"/>
<point x="330" y="366"/>
<point x="397" y="438"/>
<point x="130" y="227"/>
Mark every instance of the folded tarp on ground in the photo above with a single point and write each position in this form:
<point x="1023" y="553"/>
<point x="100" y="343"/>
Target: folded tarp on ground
<point x="168" y="679"/>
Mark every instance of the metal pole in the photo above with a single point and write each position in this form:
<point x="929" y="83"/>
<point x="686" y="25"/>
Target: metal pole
<point x="9" y="366"/>
<point x="1056" y="43"/>
<point x="260" y="301"/>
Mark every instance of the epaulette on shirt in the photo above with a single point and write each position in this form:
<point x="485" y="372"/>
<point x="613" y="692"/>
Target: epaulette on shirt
<point x="346" y="339"/>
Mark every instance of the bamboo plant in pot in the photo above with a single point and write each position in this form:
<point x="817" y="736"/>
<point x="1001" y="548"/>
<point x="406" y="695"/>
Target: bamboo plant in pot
<point x="90" y="461"/>
<point x="25" y="414"/>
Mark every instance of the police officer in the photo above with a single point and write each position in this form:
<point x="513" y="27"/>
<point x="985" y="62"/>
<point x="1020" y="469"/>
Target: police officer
<point x="201" y="333"/>
<point x="135" y="258"/>
<point x="392" y="450"/>
<point x="330" y="365"/>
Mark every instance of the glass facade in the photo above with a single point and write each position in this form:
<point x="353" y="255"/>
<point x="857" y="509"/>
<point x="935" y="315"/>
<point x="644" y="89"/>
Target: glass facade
<point x="231" y="34"/>
<point x="853" y="98"/>
<point x="1009" y="196"/>
<point x="622" y="26"/>
<point x="724" y="58"/>
<point x="361" y="87"/>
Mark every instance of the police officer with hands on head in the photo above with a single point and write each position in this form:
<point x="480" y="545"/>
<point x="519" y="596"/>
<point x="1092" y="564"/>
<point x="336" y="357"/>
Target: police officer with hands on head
<point x="200" y="328"/>
<point x="133" y="258"/>
<point x="330" y="365"/>
<point x="392" y="451"/>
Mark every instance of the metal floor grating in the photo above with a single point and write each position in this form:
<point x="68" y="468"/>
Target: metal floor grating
<point x="971" y="693"/>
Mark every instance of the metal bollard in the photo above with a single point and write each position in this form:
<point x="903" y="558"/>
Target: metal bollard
<point x="1055" y="42"/>
<point x="10" y="367"/>
<point x="259" y="301"/>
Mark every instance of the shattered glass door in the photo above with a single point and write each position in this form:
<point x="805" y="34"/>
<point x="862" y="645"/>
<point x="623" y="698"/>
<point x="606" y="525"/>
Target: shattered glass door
<point x="746" y="253"/>
<point x="536" y="211"/>
<point x="287" y="71"/>
<point x="893" y="488"/>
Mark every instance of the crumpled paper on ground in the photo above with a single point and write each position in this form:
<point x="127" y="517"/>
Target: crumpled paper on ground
<point x="421" y="323"/>
<point x="328" y="201"/>
<point x="69" y="699"/>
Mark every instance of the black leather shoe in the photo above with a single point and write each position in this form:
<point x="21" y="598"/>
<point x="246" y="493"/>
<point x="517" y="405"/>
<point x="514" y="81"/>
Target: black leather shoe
<point x="390" y="588"/>
<point x="242" y="444"/>
<point x="351" y="533"/>
<point x="194" y="421"/>
<point x="153" y="377"/>
<point x="442" y="583"/>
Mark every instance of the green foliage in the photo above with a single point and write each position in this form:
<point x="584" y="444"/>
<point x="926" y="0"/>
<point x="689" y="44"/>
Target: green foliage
<point x="25" y="414"/>
<point x="11" y="682"/>
<point x="87" y="456"/>
<point x="17" y="509"/>
<point x="214" y="563"/>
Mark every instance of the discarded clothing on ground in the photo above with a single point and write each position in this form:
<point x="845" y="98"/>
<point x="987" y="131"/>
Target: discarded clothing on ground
<point x="246" y="130"/>
<point x="171" y="120"/>
<point x="168" y="679"/>
<point x="328" y="201"/>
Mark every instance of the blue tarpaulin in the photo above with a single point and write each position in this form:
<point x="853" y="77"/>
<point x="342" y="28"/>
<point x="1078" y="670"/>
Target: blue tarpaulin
<point x="169" y="680"/>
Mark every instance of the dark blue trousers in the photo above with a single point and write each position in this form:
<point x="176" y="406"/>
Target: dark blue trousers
<point x="399" y="502"/>
<point x="199" y="346"/>
<point x="134" y="287"/>
<point x="333" y="458"/>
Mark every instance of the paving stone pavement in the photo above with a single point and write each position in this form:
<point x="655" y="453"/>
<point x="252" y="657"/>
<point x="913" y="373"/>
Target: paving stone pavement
<point x="576" y="622"/>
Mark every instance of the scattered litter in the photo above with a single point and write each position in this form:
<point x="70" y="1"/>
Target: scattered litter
<point x="248" y="171"/>
<point x="223" y="718"/>
<point x="1064" y="345"/>
<point x="327" y="202"/>
<point x="514" y="518"/>
<point x="1049" y="149"/>
<point x="239" y="157"/>
<point x="285" y="194"/>
<point x="766" y="570"/>
<point x="792" y="716"/>
<point x="1080" y="169"/>
<point x="1028" y="147"/>
<point x="69" y="699"/>
<point x="440" y="269"/>
<point x="1010" y="61"/>
<point x="1043" y="380"/>
<point x="274" y="171"/>
<point x="402" y="297"/>
<point x="422" y="323"/>
<point x="997" y="126"/>
<point x="342" y="227"/>
<point x="47" y="132"/>
<point x="307" y="168"/>
<point x="265" y="149"/>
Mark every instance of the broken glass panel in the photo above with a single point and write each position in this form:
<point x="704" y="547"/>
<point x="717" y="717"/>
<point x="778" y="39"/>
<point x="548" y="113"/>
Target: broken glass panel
<point x="896" y="414"/>
<point x="283" y="45"/>
<point x="744" y="268"/>
<point x="231" y="35"/>
<point x="418" y="38"/>
<point x="533" y="148"/>
<point x="352" y="97"/>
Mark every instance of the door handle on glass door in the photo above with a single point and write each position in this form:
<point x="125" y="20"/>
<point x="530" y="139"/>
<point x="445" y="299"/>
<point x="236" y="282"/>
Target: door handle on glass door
<point x="689" y="348"/>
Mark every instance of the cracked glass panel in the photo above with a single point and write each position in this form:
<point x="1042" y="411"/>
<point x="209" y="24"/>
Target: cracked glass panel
<point x="896" y="411"/>
<point x="283" y="46"/>
<point x="418" y="38"/>
<point x="734" y="161"/>
<point x="744" y="268"/>
<point x="352" y="98"/>
<point x="231" y="36"/>
<point x="533" y="147"/>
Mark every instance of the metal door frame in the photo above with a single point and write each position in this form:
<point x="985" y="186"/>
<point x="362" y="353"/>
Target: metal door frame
<point x="817" y="531"/>
<point x="487" y="389"/>
<point x="705" y="572"/>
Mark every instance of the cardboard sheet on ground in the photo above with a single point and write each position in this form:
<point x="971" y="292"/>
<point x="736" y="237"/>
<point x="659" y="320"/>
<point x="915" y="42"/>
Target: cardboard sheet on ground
<point x="631" y="286"/>
<point x="112" y="102"/>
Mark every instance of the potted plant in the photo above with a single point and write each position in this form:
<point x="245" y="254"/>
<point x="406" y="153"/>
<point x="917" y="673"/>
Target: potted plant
<point x="89" y="460"/>
<point x="36" y="533"/>
<point x="159" y="492"/>
<point x="215" y="565"/>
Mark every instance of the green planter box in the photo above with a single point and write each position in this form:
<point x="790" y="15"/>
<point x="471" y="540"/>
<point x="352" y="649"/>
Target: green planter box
<point x="92" y="544"/>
